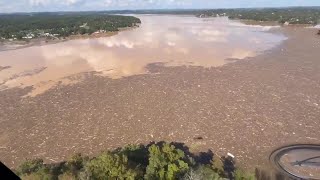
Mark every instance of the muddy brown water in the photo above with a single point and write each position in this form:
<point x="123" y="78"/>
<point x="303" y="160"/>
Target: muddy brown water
<point x="248" y="107"/>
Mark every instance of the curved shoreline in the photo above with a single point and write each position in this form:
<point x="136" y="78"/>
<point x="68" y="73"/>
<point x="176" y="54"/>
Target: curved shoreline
<point x="44" y="41"/>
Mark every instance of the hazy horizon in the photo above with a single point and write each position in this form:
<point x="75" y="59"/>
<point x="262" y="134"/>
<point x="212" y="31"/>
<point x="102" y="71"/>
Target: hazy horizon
<point x="7" y="6"/>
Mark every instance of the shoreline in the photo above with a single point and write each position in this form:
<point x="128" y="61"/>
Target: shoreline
<point x="42" y="41"/>
<point x="275" y="23"/>
<point x="14" y="45"/>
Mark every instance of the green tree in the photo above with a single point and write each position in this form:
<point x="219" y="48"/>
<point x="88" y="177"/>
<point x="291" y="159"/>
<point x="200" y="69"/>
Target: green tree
<point x="110" y="166"/>
<point x="91" y="31"/>
<point x="67" y="176"/>
<point x="137" y="154"/>
<point x="166" y="162"/>
<point x="243" y="175"/>
<point x="202" y="172"/>
<point x="30" y="166"/>
<point x="82" y="31"/>
<point x="41" y="174"/>
<point x="19" y="36"/>
<point x="217" y="166"/>
<point x="76" y="163"/>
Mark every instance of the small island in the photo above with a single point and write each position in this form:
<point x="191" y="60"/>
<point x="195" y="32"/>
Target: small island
<point x="25" y="27"/>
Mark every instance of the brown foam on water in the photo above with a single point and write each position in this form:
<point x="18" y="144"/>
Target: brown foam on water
<point x="174" y="40"/>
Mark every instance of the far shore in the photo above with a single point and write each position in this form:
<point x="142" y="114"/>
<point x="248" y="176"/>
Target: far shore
<point x="271" y="23"/>
<point x="19" y="44"/>
<point x="16" y="44"/>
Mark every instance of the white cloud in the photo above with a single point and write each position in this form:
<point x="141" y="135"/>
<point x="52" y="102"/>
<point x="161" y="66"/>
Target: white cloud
<point x="113" y="42"/>
<point x="39" y="2"/>
<point x="54" y="2"/>
<point x="71" y="2"/>
<point x="139" y="4"/>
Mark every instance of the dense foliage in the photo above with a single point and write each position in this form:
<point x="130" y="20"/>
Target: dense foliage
<point x="161" y="161"/>
<point x="166" y="162"/>
<point x="110" y="165"/>
<point x="300" y="15"/>
<point x="28" y="26"/>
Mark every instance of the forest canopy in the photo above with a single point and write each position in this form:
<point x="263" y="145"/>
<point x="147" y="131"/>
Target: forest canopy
<point x="155" y="161"/>
<point x="28" y="26"/>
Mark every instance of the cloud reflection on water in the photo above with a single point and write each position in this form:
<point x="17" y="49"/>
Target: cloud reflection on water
<point x="177" y="40"/>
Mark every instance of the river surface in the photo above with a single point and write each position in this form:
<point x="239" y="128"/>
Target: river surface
<point x="168" y="39"/>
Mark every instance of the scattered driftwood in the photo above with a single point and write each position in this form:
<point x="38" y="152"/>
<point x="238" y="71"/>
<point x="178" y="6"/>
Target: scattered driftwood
<point x="198" y="138"/>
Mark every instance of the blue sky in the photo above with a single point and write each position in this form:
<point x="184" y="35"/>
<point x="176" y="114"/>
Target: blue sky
<point x="81" y="5"/>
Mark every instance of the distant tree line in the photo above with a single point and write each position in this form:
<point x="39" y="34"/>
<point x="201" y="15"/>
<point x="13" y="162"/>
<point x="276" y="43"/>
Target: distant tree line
<point x="19" y="26"/>
<point x="155" y="161"/>
<point x="307" y="15"/>
<point x="292" y="15"/>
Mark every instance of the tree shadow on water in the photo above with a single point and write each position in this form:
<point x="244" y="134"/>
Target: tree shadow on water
<point x="229" y="166"/>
